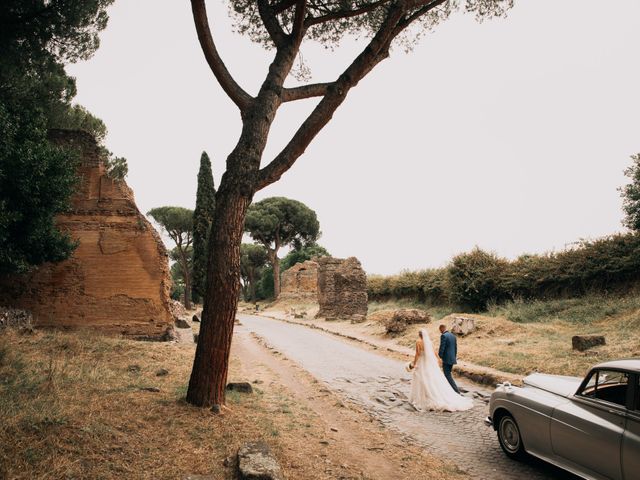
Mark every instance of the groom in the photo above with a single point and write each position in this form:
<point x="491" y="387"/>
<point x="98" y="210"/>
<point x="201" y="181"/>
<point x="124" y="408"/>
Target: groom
<point x="447" y="354"/>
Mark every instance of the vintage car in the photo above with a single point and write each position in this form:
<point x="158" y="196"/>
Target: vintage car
<point x="589" y="427"/>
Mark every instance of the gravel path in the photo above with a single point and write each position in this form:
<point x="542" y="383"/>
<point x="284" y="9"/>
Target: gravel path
<point x="381" y="386"/>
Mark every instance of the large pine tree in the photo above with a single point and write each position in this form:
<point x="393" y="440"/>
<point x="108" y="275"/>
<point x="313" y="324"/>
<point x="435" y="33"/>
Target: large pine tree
<point x="202" y="217"/>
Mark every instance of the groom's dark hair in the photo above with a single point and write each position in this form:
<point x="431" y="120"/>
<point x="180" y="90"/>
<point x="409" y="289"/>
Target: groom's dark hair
<point x="442" y="327"/>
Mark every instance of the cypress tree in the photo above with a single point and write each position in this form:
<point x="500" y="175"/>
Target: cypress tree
<point x="202" y="217"/>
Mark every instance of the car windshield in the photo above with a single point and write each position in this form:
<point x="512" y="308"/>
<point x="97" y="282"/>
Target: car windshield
<point x="608" y="385"/>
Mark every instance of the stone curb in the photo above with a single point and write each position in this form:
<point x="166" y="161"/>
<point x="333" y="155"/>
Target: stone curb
<point x="476" y="373"/>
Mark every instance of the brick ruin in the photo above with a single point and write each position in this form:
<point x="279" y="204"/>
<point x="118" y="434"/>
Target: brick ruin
<point x="117" y="280"/>
<point x="338" y="285"/>
<point x="300" y="282"/>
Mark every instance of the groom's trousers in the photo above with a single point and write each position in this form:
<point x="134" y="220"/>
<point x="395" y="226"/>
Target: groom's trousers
<point x="446" y="369"/>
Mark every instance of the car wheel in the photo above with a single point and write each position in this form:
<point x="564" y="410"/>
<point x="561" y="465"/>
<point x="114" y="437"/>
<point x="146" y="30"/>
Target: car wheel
<point x="510" y="438"/>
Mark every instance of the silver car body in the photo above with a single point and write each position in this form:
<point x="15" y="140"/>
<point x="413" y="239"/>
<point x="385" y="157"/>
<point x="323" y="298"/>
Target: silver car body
<point x="560" y="423"/>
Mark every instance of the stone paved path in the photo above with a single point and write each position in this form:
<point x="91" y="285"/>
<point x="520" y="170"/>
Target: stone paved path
<point x="381" y="386"/>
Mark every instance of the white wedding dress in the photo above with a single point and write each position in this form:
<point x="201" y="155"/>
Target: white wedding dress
<point x="429" y="387"/>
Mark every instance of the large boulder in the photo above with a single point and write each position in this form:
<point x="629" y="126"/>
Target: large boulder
<point x="585" y="342"/>
<point x="406" y="316"/>
<point x="256" y="462"/>
<point x="462" y="325"/>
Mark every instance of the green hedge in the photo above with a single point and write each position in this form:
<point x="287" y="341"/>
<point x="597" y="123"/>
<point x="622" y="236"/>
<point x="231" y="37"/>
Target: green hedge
<point x="475" y="279"/>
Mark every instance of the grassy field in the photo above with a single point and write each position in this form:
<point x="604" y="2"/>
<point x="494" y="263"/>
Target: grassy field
<point x="523" y="337"/>
<point x="82" y="406"/>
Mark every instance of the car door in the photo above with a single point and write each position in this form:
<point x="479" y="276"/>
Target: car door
<point x="587" y="431"/>
<point x="631" y="438"/>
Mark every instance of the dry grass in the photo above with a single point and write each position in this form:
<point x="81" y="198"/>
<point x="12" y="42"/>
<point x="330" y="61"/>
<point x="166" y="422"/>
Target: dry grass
<point x="540" y="337"/>
<point x="73" y="405"/>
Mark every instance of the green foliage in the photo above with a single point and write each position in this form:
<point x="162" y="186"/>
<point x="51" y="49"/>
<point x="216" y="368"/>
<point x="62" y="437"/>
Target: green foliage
<point x="117" y="167"/>
<point x="631" y="195"/>
<point x="265" y="287"/>
<point x="477" y="279"/>
<point x="474" y="279"/>
<point x="302" y="254"/>
<point x="77" y="117"/>
<point x="177" y="272"/>
<point x="177" y="222"/>
<point x="248" y="20"/>
<point x="36" y="179"/>
<point x="202" y="218"/>
<point x="253" y="258"/>
<point x="278" y="221"/>
<point x="36" y="182"/>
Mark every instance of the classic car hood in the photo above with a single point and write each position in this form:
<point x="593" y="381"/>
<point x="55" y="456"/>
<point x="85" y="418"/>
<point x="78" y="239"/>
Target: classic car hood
<point x="558" y="384"/>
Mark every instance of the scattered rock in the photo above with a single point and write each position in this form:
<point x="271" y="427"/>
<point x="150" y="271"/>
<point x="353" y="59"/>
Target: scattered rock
<point x="358" y="318"/>
<point x="177" y="309"/>
<point x="256" y="462"/>
<point x="134" y="368"/>
<point x="237" y="321"/>
<point x="258" y="382"/>
<point x="163" y="372"/>
<point x="462" y="325"/>
<point x="242" y="387"/>
<point x="182" y="323"/>
<point x="584" y="342"/>
<point x="170" y="335"/>
<point x="298" y="315"/>
<point x="13" y="317"/>
<point x="195" y="319"/>
<point x="216" y="409"/>
<point x="150" y="389"/>
<point x="334" y="429"/>
<point x="402" y="318"/>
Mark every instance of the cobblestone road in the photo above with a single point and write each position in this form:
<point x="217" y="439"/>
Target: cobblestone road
<point x="381" y="386"/>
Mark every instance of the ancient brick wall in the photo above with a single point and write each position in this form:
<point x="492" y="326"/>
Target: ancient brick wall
<point x="117" y="279"/>
<point x="342" y="288"/>
<point x="300" y="281"/>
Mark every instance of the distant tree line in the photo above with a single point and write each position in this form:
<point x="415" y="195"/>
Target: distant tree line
<point x="478" y="278"/>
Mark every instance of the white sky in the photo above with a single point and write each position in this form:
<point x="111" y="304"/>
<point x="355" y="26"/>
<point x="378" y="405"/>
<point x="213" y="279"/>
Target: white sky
<point x="511" y="134"/>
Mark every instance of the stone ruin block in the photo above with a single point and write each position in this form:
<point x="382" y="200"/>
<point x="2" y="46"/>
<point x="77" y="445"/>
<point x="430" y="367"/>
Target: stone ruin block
<point x="117" y="280"/>
<point x="300" y="282"/>
<point x="342" y="288"/>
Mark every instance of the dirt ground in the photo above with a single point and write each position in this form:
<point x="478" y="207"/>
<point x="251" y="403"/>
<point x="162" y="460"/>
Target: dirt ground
<point x="73" y="405"/>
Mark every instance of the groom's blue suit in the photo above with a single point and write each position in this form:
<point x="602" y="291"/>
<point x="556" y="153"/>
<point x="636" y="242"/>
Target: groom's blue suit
<point x="447" y="352"/>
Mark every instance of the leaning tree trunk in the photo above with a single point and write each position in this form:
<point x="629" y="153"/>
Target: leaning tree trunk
<point x="209" y="373"/>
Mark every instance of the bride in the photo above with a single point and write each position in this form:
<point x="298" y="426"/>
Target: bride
<point x="429" y="387"/>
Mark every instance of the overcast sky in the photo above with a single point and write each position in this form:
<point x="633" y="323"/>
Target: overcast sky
<point x="511" y="135"/>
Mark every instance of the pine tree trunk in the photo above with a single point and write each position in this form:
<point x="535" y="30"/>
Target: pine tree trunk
<point x="276" y="274"/>
<point x="209" y="374"/>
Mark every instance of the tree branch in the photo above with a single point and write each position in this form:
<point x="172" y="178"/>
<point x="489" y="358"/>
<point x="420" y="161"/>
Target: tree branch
<point x="305" y="91"/>
<point x="271" y="23"/>
<point x="241" y="98"/>
<point x="374" y="53"/>
<point x="338" y="14"/>
<point x="298" y="29"/>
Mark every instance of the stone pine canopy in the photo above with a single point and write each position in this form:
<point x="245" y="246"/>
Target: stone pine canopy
<point x="118" y="279"/>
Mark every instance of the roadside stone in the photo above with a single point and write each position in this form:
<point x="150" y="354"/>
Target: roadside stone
<point x="585" y="342"/>
<point x="242" y="387"/>
<point x="163" y="372"/>
<point x="402" y="318"/>
<point x="150" y="389"/>
<point x="195" y="319"/>
<point x="182" y="323"/>
<point x="298" y="315"/>
<point x="256" y="462"/>
<point x="170" y="335"/>
<point x="462" y="325"/>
